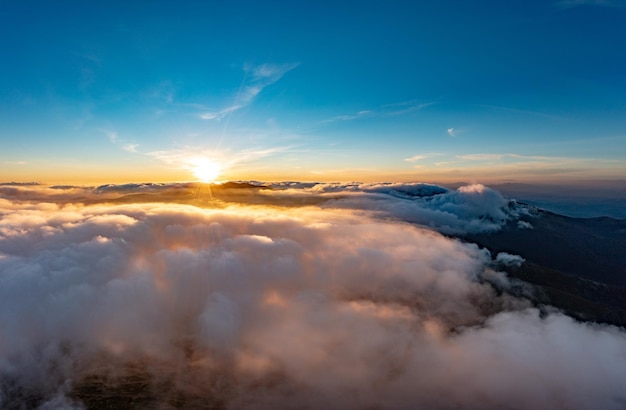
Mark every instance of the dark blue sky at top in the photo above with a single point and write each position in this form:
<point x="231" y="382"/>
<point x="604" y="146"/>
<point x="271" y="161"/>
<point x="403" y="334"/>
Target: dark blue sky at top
<point x="452" y="49"/>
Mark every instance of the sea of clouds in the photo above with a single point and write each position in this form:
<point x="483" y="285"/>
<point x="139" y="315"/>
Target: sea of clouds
<point x="358" y="301"/>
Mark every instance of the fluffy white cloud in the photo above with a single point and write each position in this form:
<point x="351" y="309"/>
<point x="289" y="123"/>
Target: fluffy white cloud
<point x="469" y="209"/>
<point x="265" y="307"/>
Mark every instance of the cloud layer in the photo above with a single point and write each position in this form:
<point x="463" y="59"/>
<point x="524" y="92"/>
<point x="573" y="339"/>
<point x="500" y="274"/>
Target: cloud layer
<point x="292" y="307"/>
<point x="469" y="209"/>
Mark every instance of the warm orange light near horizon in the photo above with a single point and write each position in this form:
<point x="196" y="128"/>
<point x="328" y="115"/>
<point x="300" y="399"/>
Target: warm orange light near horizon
<point x="206" y="170"/>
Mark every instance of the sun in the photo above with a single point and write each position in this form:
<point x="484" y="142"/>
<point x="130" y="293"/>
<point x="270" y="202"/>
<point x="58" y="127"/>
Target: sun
<point x="205" y="170"/>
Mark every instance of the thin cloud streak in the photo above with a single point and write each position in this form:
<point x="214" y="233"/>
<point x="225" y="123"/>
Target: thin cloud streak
<point x="184" y="158"/>
<point x="262" y="76"/>
<point x="400" y="108"/>
<point x="497" y="156"/>
<point x="416" y="158"/>
<point x="115" y="139"/>
<point x="481" y="157"/>
<point x="131" y="147"/>
<point x="420" y="157"/>
<point x="499" y="167"/>
<point x="111" y="135"/>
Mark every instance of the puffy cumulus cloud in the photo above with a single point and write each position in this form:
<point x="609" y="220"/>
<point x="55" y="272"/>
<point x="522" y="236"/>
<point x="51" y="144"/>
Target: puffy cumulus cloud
<point x="507" y="259"/>
<point x="171" y="306"/>
<point x="524" y="225"/>
<point x="469" y="209"/>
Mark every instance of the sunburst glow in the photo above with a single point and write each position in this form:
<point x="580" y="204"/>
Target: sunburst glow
<point x="206" y="170"/>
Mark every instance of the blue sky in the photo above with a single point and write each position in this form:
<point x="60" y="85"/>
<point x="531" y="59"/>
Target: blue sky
<point x="485" y="91"/>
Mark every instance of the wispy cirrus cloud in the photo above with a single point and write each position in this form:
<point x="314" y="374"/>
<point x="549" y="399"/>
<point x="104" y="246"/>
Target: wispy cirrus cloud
<point x="186" y="157"/>
<point x="416" y="158"/>
<point x="482" y="157"/>
<point x="111" y="135"/>
<point x="500" y="164"/>
<point x="260" y="77"/>
<point x="115" y="139"/>
<point x="419" y="157"/>
<point x="130" y="147"/>
<point x="400" y="108"/>
<point x="496" y="157"/>
<point x="513" y="169"/>
<point x="348" y="117"/>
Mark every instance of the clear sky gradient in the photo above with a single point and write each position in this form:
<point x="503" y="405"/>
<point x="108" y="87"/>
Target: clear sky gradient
<point x="477" y="91"/>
